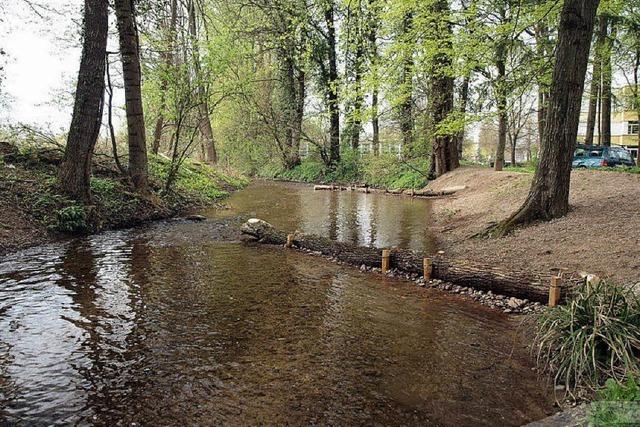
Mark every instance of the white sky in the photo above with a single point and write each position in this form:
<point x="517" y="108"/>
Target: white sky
<point x="42" y="64"/>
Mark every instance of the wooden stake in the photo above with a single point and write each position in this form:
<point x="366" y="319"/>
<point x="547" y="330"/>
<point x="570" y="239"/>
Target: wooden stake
<point x="428" y="267"/>
<point x="554" y="291"/>
<point x="386" y="257"/>
<point x="289" y="241"/>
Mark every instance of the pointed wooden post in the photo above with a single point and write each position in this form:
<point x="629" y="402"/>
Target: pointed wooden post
<point x="289" y="241"/>
<point x="386" y="258"/>
<point x="428" y="268"/>
<point x="554" y="291"/>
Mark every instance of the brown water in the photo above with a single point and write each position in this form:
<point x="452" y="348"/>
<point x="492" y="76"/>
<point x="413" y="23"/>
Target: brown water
<point x="178" y="323"/>
<point x="365" y="219"/>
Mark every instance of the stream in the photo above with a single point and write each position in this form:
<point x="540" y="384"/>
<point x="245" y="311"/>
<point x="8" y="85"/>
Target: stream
<point x="179" y="323"/>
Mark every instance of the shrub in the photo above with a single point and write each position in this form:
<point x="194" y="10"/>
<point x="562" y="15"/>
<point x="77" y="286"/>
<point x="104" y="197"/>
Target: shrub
<point x="71" y="219"/>
<point x="595" y="336"/>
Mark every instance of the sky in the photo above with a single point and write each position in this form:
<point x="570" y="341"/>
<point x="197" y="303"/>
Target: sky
<point x="42" y="64"/>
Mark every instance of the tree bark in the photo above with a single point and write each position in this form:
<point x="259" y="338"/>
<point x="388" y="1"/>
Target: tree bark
<point x="130" y="52"/>
<point x="75" y="170"/>
<point x="516" y="283"/>
<point x="168" y="57"/>
<point x="549" y="194"/>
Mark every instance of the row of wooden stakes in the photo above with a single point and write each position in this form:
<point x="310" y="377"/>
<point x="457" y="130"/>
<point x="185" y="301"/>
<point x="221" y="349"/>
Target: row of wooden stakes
<point x="554" y="288"/>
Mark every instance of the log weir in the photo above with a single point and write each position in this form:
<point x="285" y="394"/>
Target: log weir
<point x="514" y="283"/>
<point x="414" y="193"/>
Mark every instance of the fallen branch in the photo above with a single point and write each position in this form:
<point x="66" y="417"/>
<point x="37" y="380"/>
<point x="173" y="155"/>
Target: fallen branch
<point x="516" y="283"/>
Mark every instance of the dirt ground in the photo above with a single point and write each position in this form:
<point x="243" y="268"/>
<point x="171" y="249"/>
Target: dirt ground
<point x="601" y="234"/>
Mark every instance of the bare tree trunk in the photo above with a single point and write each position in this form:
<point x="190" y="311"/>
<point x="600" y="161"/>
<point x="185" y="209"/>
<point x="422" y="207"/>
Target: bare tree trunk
<point x="462" y="109"/>
<point x="129" y="49"/>
<point x="501" y="98"/>
<point x="445" y="149"/>
<point x="549" y="194"/>
<point x="168" y="62"/>
<point x="356" y="121"/>
<point x="204" y="122"/>
<point x="332" y="90"/>
<point x="406" y="106"/>
<point x="374" y="60"/>
<point x="606" y="80"/>
<point x="75" y="170"/>
<point x="593" y="100"/>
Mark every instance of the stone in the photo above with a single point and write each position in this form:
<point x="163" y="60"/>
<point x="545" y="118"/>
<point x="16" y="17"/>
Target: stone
<point x="514" y="302"/>
<point x="195" y="218"/>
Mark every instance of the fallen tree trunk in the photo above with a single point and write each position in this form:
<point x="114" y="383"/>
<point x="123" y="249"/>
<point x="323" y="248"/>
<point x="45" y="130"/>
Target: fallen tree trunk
<point x="520" y="284"/>
<point x="413" y="193"/>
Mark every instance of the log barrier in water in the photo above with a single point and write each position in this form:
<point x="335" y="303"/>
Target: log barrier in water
<point x="414" y="193"/>
<point x="521" y="284"/>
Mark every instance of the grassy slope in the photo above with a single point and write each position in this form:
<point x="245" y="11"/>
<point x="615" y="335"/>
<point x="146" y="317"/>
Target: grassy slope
<point x="35" y="210"/>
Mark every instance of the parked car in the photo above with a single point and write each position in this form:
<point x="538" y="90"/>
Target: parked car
<point x="598" y="156"/>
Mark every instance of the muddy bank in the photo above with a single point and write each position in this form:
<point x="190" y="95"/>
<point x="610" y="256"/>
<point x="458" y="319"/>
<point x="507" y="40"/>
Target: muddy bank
<point x="598" y="236"/>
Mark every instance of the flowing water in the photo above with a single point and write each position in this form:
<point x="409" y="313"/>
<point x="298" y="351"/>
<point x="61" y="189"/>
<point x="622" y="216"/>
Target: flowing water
<point x="179" y="323"/>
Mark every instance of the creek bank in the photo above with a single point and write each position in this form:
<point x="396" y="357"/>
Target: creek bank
<point x="35" y="211"/>
<point x="596" y="237"/>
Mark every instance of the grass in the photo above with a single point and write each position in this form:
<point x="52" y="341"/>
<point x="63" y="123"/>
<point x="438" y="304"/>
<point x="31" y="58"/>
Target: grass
<point x="616" y="404"/>
<point x="594" y="337"/>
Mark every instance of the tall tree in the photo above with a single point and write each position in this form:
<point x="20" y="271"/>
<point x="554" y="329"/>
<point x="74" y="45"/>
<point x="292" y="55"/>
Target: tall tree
<point x="130" y="52"/>
<point x="168" y="63"/>
<point x="549" y="194"/>
<point x="444" y="146"/>
<point x="204" y="122"/>
<point x="594" y="92"/>
<point x="405" y="109"/>
<point x="75" y="170"/>
<point x="332" y="82"/>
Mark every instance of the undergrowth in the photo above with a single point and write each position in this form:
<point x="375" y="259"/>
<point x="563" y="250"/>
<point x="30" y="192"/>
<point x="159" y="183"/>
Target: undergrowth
<point x="115" y="203"/>
<point x="384" y="171"/>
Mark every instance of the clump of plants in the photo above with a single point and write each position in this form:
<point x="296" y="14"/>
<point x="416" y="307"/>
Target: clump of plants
<point x="616" y="404"/>
<point x="594" y="337"/>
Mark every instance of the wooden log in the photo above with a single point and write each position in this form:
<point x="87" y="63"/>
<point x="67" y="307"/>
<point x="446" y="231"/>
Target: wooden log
<point x="517" y="283"/>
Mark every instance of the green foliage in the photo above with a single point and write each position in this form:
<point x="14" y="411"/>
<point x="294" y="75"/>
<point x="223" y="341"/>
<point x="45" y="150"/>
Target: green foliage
<point x="594" y="337"/>
<point x="71" y="219"/>
<point x="615" y="405"/>
<point x="386" y="171"/>
<point x="197" y="181"/>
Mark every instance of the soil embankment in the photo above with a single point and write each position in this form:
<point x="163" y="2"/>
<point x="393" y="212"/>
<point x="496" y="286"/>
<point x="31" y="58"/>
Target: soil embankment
<point x="34" y="211"/>
<point x="600" y="234"/>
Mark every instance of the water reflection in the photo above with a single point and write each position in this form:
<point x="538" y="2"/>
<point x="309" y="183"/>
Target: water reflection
<point x="178" y="324"/>
<point x="366" y="219"/>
